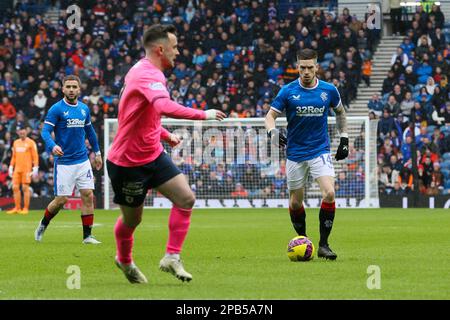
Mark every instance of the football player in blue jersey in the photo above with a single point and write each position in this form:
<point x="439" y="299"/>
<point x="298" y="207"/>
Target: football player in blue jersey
<point x="306" y="102"/>
<point x="70" y="120"/>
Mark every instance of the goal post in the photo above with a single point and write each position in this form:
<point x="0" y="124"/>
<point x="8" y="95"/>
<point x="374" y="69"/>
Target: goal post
<point x="232" y="164"/>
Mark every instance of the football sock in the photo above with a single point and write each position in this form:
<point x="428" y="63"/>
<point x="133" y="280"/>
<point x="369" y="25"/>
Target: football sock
<point x="298" y="220"/>
<point x="179" y="221"/>
<point x="48" y="216"/>
<point x="17" y="196"/>
<point x="326" y="218"/>
<point x="124" y="241"/>
<point x="26" y="198"/>
<point x="87" y="221"/>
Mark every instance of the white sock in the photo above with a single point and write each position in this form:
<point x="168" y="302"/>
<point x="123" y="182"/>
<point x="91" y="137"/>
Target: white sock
<point x="173" y="255"/>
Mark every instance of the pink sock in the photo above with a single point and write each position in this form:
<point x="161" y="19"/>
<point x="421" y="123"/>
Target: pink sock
<point x="124" y="241"/>
<point x="179" y="222"/>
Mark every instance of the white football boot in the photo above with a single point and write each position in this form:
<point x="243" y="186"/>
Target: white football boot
<point x="173" y="265"/>
<point x="131" y="272"/>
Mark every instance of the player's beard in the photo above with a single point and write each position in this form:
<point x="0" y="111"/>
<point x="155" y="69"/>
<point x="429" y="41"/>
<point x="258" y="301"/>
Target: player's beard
<point x="308" y="82"/>
<point x="72" y="100"/>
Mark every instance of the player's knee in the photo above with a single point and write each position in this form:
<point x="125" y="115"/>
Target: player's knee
<point x="88" y="198"/>
<point x="61" y="201"/>
<point x="16" y="188"/>
<point x="329" y="195"/>
<point x="187" y="202"/>
<point x="295" y="204"/>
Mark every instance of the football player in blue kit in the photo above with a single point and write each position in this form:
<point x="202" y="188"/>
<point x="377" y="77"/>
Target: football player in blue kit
<point x="70" y="120"/>
<point x="306" y="102"/>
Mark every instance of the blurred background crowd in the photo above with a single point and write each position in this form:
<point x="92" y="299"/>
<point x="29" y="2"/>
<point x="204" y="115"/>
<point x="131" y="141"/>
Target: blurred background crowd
<point x="235" y="56"/>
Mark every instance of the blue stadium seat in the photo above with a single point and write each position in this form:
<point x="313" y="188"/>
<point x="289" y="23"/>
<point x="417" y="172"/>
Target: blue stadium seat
<point x="431" y="128"/>
<point x="447" y="184"/>
<point x="446" y="173"/>
<point x="446" y="156"/>
<point x="445" y="165"/>
<point x="328" y="56"/>
<point x="325" y="64"/>
<point x="446" y="191"/>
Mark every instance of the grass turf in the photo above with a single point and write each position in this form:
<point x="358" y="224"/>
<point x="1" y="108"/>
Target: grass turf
<point x="233" y="254"/>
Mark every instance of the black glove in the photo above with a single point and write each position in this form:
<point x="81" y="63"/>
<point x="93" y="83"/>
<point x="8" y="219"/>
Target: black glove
<point x="342" y="151"/>
<point x="274" y="134"/>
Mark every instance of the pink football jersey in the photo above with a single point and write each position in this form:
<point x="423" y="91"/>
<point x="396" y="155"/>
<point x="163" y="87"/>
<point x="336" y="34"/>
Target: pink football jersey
<point x="144" y="99"/>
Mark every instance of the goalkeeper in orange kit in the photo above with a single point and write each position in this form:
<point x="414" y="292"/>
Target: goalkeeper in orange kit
<point x="24" y="164"/>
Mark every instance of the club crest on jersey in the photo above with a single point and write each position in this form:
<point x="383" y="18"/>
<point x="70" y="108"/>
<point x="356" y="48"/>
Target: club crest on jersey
<point x="324" y="96"/>
<point x="83" y="113"/>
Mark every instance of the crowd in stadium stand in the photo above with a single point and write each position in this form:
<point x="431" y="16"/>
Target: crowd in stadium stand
<point x="235" y="56"/>
<point x="416" y="93"/>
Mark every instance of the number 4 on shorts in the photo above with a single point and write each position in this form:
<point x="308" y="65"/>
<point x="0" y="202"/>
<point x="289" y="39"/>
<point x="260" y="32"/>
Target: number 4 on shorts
<point x="89" y="174"/>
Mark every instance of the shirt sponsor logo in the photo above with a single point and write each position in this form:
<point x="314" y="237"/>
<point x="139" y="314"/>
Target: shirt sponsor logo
<point x="310" y="111"/>
<point x="157" y="86"/>
<point x="296" y="97"/>
<point x="75" y="123"/>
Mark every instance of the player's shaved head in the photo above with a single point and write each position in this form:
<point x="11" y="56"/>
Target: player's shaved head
<point x="157" y="32"/>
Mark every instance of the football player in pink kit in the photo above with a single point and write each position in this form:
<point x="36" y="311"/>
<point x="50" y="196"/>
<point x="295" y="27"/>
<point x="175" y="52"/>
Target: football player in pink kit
<point x="137" y="161"/>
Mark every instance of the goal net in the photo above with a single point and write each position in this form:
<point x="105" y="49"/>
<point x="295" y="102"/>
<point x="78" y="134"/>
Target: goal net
<point x="232" y="164"/>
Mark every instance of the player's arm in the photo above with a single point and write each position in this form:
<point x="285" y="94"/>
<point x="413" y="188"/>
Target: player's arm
<point x="170" y="138"/>
<point x="92" y="138"/>
<point x="341" y="124"/>
<point x="49" y="124"/>
<point x="35" y="159"/>
<point x="277" y="138"/>
<point x="277" y="107"/>
<point x="13" y="161"/>
<point x="170" y="108"/>
<point x="156" y="94"/>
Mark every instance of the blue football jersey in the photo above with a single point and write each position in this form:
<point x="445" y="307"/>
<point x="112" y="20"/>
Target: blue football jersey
<point x="68" y="122"/>
<point x="306" y="112"/>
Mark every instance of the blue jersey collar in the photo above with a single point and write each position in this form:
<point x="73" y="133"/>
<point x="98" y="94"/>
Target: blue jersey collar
<point x="315" y="86"/>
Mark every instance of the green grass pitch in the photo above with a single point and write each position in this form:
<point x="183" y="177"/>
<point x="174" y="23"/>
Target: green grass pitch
<point x="234" y="254"/>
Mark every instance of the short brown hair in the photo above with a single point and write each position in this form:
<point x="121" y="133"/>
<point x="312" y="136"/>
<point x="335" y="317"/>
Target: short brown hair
<point x="71" y="77"/>
<point x="157" y="32"/>
<point x="307" y="54"/>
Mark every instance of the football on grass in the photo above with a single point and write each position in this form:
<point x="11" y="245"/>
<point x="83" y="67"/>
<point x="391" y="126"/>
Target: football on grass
<point x="300" y="249"/>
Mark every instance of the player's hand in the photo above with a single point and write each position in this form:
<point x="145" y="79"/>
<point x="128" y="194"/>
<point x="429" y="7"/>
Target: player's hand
<point x="214" y="114"/>
<point x="173" y="140"/>
<point x="34" y="172"/>
<point x="98" y="162"/>
<point x="277" y="138"/>
<point x="57" y="151"/>
<point x="10" y="171"/>
<point x="342" y="151"/>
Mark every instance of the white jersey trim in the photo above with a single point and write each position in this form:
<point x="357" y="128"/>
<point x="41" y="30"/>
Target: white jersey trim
<point x="48" y="122"/>
<point x="275" y="109"/>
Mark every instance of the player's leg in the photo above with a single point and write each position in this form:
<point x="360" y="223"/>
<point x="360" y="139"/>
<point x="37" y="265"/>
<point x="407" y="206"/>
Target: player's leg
<point x="26" y="180"/>
<point x="16" y="193"/>
<point x="26" y="198"/>
<point x="297" y="175"/>
<point x="50" y="212"/>
<point x="323" y="172"/>
<point x="178" y="191"/>
<point x="87" y="216"/>
<point x="64" y="182"/>
<point x="84" y="182"/>
<point x="129" y="193"/>
<point x="297" y="211"/>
